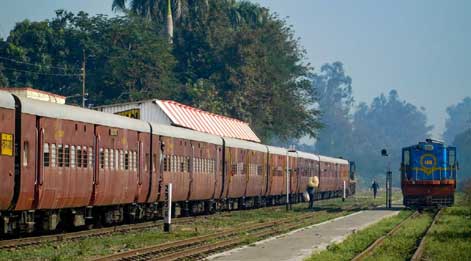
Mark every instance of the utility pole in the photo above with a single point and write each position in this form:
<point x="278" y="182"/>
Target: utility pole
<point x="83" y="78"/>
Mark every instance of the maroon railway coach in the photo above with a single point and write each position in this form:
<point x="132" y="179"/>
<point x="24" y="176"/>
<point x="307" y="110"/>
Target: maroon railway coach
<point x="68" y="166"/>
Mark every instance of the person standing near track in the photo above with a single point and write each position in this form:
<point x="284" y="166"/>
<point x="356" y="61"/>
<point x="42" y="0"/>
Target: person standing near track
<point x="374" y="187"/>
<point x="311" y="186"/>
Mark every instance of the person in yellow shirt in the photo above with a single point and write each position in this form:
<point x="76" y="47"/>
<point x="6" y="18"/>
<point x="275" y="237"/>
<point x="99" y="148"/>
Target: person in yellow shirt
<point x="311" y="186"/>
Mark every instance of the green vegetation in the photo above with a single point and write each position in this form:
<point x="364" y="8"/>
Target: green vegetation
<point x="402" y="245"/>
<point x="450" y="237"/>
<point x="229" y="57"/>
<point x="359" y="241"/>
<point x="86" y="248"/>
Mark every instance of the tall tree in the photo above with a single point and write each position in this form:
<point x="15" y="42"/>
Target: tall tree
<point x="390" y="123"/>
<point x="462" y="142"/>
<point x="459" y="119"/>
<point x="126" y="57"/>
<point x="334" y="90"/>
<point x="151" y="10"/>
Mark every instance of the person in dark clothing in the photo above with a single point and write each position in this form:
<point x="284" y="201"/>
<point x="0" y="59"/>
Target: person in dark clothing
<point x="374" y="187"/>
<point x="312" y="184"/>
<point x="310" y="191"/>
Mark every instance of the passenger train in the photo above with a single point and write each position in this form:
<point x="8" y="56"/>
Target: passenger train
<point x="65" y="166"/>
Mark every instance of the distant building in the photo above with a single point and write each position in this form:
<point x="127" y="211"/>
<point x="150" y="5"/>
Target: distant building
<point x="177" y="114"/>
<point x="31" y="93"/>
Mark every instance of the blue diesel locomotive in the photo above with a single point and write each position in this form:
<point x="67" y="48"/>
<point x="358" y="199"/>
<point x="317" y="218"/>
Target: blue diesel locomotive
<point x="428" y="174"/>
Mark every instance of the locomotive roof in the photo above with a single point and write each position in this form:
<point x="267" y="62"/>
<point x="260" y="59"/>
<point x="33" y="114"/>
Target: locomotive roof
<point x="277" y="150"/>
<point x="182" y="133"/>
<point x="242" y="144"/>
<point x="74" y="113"/>
<point x="333" y="160"/>
<point x="6" y="100"/>
<point x="306" y="155"/>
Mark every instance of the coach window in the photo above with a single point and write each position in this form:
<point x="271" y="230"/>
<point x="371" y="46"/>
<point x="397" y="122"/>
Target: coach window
<point x="85" y="157"/>
<point x="53" y="155"/>
<point x="79" y="157"/>
<point x="106" y="158"/>
<point x="46" y="155"/>
<point x="111" y="159"/>
<point x="60" y="155"/>
<point x="66" y="156"/>
<point x="72" y="156"/>
<point x="116" y="159"/>
<point x="25" y="153"/>
<point x="182" y="164"/>
<point x="121" y="159"/>
<point x="102" y="159"/>
<point x="134" y="160"/>
<point x="90" y="157"/>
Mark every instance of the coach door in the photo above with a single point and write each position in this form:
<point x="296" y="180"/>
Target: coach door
<point x="7" y="151"/>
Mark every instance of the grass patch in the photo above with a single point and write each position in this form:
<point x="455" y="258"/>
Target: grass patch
<point x="356" y="243"/>
<point x="402" y="244"/>
<point x="118" y="242"/>
<point x="450" y="237"/>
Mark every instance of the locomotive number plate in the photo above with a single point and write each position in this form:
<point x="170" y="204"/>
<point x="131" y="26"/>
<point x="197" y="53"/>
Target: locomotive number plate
<point x="7" y="144"/>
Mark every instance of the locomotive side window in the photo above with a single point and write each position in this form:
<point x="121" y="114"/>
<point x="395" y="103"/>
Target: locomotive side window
<point x="407" y="157"/>
<point x="451" y="157"/>
<point x="46" y="155"/>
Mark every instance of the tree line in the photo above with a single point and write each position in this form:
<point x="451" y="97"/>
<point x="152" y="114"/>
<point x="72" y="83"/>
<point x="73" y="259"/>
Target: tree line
<point x="359" y="132"/>
<point x="229" y="57"/>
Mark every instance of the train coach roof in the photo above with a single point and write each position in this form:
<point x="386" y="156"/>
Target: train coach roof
<point x="6" y="100"/>
<point x="306" y="155"/>
<point x="242" y="144"/>
<point x="277" y="150"/>
<point x="182" y="133"/>
<point x="73" y="113"/>
<point x="333" y="160"/>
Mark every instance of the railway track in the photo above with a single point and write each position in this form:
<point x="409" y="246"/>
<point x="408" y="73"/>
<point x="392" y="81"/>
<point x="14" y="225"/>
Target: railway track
<point x="70" y="236"/>
<point x="28" y="241"/>
<point x="203" y="245"/>
<point x="379" y="242"/>
<point x="419" y="252"/>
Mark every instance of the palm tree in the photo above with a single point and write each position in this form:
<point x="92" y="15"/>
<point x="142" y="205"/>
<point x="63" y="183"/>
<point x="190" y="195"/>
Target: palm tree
<point x="151" y="9"/>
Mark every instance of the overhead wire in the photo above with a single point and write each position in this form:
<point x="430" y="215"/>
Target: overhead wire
<point x="32" y="64"/>
<point x="39" y="73"/>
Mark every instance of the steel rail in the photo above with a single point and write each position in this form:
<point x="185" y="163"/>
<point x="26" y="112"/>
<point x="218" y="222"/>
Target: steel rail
<point x="27" y="241"/>
<point x="419" y="252"/>
<point x="183" y="247"/>
<point x="380" y="240"/>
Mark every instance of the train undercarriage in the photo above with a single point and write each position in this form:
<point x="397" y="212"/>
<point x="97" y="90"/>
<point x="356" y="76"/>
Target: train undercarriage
<point x="51" y="221"/>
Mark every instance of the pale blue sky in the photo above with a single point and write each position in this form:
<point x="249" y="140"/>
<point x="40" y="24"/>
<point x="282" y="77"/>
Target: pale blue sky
<point x="419" y="47"/>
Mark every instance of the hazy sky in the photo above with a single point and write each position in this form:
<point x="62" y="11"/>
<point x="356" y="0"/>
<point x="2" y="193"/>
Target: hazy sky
<point x="421" y="48"/>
